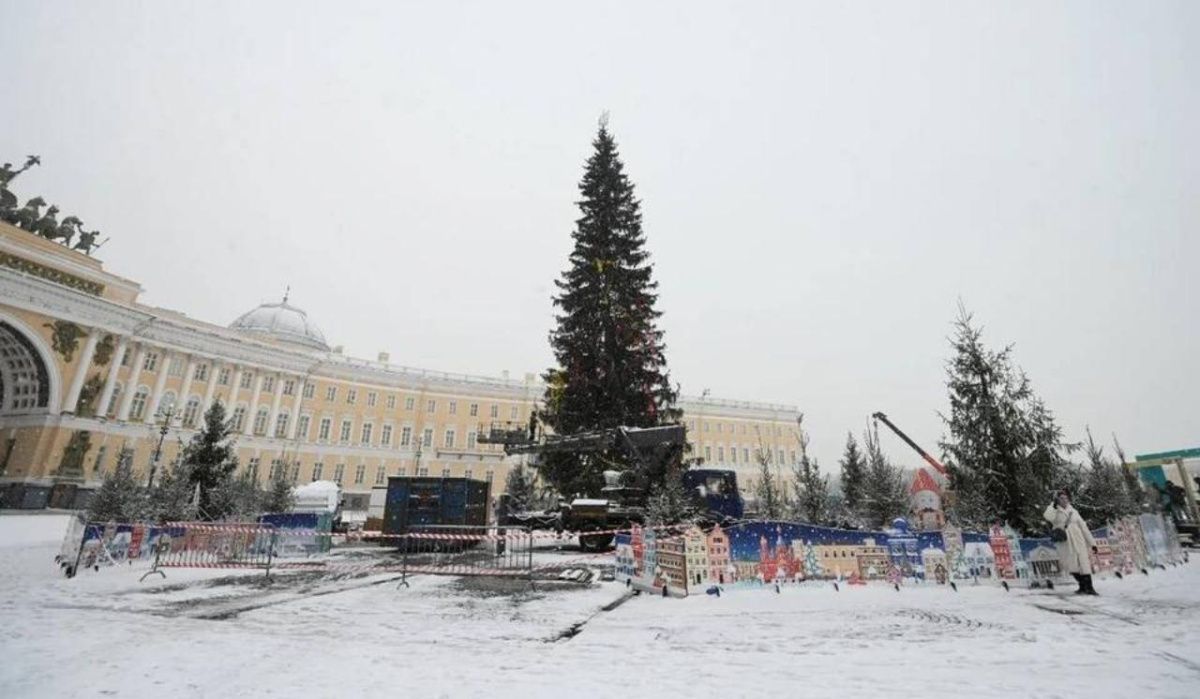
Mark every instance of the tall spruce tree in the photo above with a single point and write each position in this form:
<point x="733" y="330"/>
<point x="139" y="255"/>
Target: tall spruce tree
<point x="769" y="495"/>
<point x="884" y="494"/>
<point x="171" y="497"/>
<point x="611" y="368"/>
<point x="211" y="458"/>
<point x="854" y="474"/>
<point x="810" y="490"/>
<point x="1005" y="451"/>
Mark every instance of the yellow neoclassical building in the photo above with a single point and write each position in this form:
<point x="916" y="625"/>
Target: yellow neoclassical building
<point x="86" y="371"/>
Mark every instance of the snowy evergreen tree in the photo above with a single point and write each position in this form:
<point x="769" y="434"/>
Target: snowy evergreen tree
<point x="520" y="489"/>
<point x="770" y="500"/>
<point x="1135" y="494"/>
<point x="236" y="498"/>
<point x="611" y="368"/>
<point x="854" y="475"/>
<point x="211" y="458"/>
<point x="884" y="494"/>
<point x="172" y="496"/>
<point x="279" y="496"/>
<point x="810" y="490"/>
<point x="1005" y="452"/>
<point x="120" y="497"/>
<point x="1105" y="494"/>
<point x="669" y="504"/>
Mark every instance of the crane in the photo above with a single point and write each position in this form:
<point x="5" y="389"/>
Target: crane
<point x="880" y="417"/>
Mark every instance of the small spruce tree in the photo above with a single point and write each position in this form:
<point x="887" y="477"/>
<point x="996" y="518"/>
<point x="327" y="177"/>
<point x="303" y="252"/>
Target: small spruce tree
<point x="768" y="492"/>
<point x="120" y="497"/>
<point x="854" y="474"/>
<point x="280" y="496"/>
<point x="172" y="496"/>
<point x="212" y="460"/>
<point x="810" y="490"/>
<point x="884" y="494"/>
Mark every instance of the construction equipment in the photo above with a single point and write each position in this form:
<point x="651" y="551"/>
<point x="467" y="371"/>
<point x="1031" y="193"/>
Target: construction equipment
<point x="622" y="500"/>
<point x="880" y="417"/>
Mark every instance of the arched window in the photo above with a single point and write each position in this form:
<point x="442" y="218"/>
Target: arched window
<point x="260" y="421"/>
<point x="137" y="409"/>
<point x="238" y="421"/>
<point x="191" y="412"/>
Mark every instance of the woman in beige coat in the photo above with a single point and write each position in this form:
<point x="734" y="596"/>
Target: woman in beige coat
<point x="1073" y="552"/>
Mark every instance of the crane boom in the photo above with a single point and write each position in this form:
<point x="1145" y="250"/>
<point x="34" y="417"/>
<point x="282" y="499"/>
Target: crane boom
<point x="928" y="459"/>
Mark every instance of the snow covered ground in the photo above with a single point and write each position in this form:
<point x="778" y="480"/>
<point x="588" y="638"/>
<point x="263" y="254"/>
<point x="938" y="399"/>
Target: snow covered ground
<point x="206" y="633"/>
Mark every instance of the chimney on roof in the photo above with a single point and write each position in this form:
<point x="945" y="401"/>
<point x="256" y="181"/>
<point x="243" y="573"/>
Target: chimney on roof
<point x="385" y="357"/>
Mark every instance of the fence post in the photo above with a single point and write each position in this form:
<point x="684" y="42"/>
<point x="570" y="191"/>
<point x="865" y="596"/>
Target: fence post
<point x="79" y="553"/>
<point x="157" y="553"/>
<point x="403" y="562"/>
<point x="270" y="551"/>
<point x="529" y="555"/>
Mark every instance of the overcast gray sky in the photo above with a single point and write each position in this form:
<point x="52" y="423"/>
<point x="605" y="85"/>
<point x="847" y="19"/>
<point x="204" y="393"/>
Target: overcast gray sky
<point x="821" y="182"/>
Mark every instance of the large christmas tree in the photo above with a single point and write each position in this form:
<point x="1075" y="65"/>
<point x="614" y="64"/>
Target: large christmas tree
<point x="611" y="369"/>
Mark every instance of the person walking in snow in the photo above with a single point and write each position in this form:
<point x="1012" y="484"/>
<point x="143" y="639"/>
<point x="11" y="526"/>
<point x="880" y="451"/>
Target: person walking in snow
<point x="1073" y="540"/>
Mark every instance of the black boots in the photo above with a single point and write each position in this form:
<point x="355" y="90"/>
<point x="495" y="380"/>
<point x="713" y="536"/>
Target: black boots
<point x="1085" y="585"/>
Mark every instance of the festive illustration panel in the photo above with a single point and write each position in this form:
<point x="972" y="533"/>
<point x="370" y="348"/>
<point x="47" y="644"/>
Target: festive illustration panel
<point x="771" y="553"/>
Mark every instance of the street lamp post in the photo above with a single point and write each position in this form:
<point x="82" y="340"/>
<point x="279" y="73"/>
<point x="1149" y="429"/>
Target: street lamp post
<point x="165" y="418"/>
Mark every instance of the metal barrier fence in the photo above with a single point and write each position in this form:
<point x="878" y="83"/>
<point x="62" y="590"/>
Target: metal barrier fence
<point x="197" y="545"/>
<point x="465" y="550"/>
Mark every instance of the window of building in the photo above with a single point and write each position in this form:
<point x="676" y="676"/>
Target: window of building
<point x="175" y="367"/>
<point x="409" y="402"/>
<point x="491" y="475"/>
<point x="372" y="397"/>
<point x="200" y="373"/>
<point x="431" y="407"/>
<point x="268" y="384"/>
<point x="708" y="453"/>
<point x="746" y="454"/>
<point x="346" y="425"/>
<point x="275" y="466"/>
<point x="127" y="358"/>
<point x="98" y="464"/>
<point x="402" y="471"/>
<point x="427" y="437"/>
<point x="733" y="454"/>
<point x="295" y="471"/>
<point x="281" y="424"/>
<point x="360" y="472"/>
<point x="191" y="412"/>
<point x="367" y="428"/>
<point x="706" y="426"/>
<point x="302" y="427"/>
<point x="512" y="413"/>
<point x="137" y="409"/>
<point x="445" y="472"/>
<point x="339" y="472"/>
<point x="495" y="411"/>
<point x="423" y="471"/>
<point x="351" y="396"/>
<point x="166" y="403"/>
<point x="252" y="469"/>
<point x="385" y="436"/>
<point x="331" y="393"/>
<point x="309" y="390"/>
<point x="474" y="410"/>
<point x="449" y="443"/>
<point x="323" y="430"/>
<point x="238" y="420"/>
<point x="247" y="379"/>
<point x="260" y="421"/>
<point x="793" y="456"/>
<point x="150" y="363"/>
<point x="380" y="475"/>
<point x="289" y="387"/>
<point x="391" y="402"/>
<point x="317" y="469"/>
<point x="405" y="436"/>
<point x="472" y="439"/>
<point x="781" y="456"/>
<point x="720" y="428"/>
<point x="720" y="455"/>
<point x="223" y="376"/>
<point x="113" y="402"/>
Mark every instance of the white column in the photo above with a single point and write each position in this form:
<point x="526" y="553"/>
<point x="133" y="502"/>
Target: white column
<point x="110" y="383"/>
<point x="186" y="386"/>
<point x="131" y="385"/>
<point x="234" y="387"/>
<point x="249" y="428"/>
<point x="295" y="419"/>
<point x="275" y="405"/>
<point x="163" y="367"/>
<point x="85" y="363"/>
<point x="213" y="372"/>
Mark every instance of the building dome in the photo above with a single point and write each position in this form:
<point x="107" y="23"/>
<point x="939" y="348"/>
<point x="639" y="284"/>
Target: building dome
<point x="282" y="322"/>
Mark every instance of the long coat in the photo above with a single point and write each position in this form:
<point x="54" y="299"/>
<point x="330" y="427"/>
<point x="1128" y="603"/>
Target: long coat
<point x="1075" y="553"/>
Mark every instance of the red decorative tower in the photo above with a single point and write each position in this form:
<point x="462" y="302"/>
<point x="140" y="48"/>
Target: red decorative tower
<point x="1002" y="550"/>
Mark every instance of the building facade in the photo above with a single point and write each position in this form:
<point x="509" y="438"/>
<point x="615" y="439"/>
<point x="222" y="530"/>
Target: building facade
<point x="87" y="372"/>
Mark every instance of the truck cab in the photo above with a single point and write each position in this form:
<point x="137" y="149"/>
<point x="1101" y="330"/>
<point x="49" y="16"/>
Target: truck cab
<point x="717" y="490"/>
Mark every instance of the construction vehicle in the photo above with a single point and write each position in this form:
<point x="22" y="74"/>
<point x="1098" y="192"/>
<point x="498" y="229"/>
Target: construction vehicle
<point x="622" y="501"/>
<point x="880" y="417"/>
<point x="1172" y="478"/>
<point x="927" y="513"/>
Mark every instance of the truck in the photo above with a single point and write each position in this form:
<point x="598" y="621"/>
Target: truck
<point x="621" y="503"/>
<point x="421" y="501"/>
